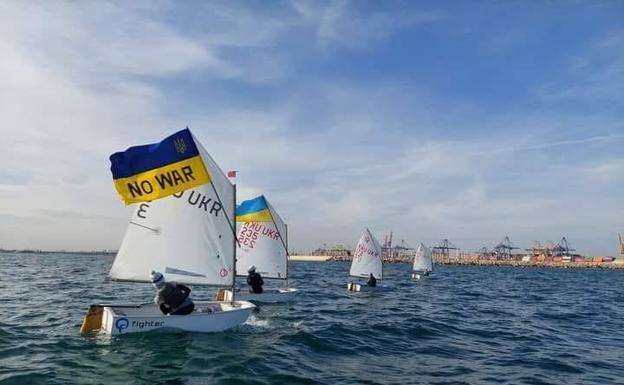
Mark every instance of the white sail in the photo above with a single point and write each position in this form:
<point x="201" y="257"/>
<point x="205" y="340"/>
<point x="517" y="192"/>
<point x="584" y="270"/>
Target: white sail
<point x="367" y="257"/>
<point x="188" y="236"/>
<point x="263" y="245"/>
<point x="422" y="259"/>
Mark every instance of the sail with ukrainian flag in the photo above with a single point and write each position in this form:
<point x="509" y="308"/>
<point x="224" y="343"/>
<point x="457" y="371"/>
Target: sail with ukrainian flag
<point x="262" y="238"/>
<point x="183" y="219"/>
<point x="254" y="210"/>
<point x="153" y="171"/>
<point x="188" y="235"/>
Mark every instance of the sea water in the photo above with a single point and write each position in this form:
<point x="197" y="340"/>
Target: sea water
<point x="461" y="325"/>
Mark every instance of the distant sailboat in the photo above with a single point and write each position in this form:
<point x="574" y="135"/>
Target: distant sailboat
<point x="189" y="237"/>
<point x="263" y="243"/>
<point x="423" y="264"/>
<point x="366" y="261"/>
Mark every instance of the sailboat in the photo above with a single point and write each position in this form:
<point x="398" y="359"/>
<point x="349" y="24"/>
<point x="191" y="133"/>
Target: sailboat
<point x="366" y="261"/>
<point x="188" y="235"/>
<point x="263" y="243"/>
<point x="423" y="265"/>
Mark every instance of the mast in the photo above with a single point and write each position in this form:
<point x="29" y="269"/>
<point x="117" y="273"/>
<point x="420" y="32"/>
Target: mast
<point x="234" y="248"/>
<point x="287" y="254"/>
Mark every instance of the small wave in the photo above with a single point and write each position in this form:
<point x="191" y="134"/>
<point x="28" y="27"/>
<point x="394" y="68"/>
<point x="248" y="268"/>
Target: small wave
<point x="463" y="325"/>
<point x="255" y="322"/>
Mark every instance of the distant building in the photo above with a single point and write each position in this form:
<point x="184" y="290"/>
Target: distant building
<point x="335" y="251"/>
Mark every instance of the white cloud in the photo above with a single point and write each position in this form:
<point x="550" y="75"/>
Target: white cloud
<point x="595" y="75"/>
<point x="609" y="172"/>
<point x="473" y="188"/>
<point x="338" y="23"/>
<point x="83" y="80"/>
<point x="101" y="40"/>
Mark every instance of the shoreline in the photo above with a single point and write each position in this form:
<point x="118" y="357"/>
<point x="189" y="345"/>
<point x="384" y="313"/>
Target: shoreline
<point x="310" y="258"/>
<point x="618" y="264"/>
<point x="555" y="265"/>
<point x="615" y="265"/>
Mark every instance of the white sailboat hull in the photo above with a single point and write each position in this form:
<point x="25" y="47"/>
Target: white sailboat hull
<point x="278" y="295"/>
<point x="354" y="286"/>
<point x="418" y="275"/>
<point x="208" y="317"/>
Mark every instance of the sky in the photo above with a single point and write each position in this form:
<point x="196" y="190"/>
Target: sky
<point x="461" y="120"/>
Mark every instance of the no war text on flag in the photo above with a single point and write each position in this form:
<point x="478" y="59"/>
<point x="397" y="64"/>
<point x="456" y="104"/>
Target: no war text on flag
<point x="148" y="172"/>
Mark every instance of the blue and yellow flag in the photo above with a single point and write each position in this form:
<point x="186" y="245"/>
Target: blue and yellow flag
<point x="153" y="171"/>
<point x="254" y="210"/>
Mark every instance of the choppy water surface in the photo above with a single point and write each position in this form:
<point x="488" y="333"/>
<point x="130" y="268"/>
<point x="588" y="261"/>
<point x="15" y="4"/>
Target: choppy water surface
<point x="462" y="325"/>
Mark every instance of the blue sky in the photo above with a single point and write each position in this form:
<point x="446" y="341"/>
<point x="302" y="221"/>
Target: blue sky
<point x="460" y="120"/>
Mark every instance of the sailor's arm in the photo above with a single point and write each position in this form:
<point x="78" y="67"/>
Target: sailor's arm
<point x="184" y="289"/>
<point x="166" y="309"/>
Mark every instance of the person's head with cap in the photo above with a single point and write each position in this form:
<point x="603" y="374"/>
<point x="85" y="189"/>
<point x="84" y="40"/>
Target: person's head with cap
<point x="251" y="269"/>
<point x="158" y="280"/>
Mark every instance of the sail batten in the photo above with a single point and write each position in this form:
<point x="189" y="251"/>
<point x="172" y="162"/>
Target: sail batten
<point x="367" y="257"/>
<point x="187" y="236"/>
<point x="170" y="278"/>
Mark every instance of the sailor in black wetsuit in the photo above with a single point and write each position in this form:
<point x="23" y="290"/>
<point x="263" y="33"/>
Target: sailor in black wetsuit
<point x="372" y="281"/>
<point x="254" y="280"/>
<point x="171" y="298"/>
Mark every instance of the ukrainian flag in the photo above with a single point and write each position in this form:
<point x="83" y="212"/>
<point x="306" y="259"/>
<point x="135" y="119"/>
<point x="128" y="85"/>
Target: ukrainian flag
<point x="254" y="210"/>
<point x="153" y="171"/>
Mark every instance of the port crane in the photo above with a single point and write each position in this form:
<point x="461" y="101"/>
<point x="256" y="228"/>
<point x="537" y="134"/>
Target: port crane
<point x="503" y="249"/>
<point x="563" y="249"/>
<point x="443" y="249"/>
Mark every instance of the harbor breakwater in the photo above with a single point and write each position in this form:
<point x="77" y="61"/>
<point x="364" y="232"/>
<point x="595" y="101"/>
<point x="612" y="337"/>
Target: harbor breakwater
<point x="549" y="264"/>
<point x="617" y="264"/>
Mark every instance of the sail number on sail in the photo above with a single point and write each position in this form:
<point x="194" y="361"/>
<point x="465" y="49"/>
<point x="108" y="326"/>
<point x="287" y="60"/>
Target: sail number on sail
<point x="250" y="231"/>
<point x="361" y="250"/>
<point x="194" y="199"/>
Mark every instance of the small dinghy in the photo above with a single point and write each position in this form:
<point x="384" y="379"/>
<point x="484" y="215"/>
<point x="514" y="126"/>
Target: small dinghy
<point x="208" y="317"/>
<point x="263" y="244"/>
<point x="188" y="234"/>
<point x="366" y="261"/>
<point x="423" y="264"/>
